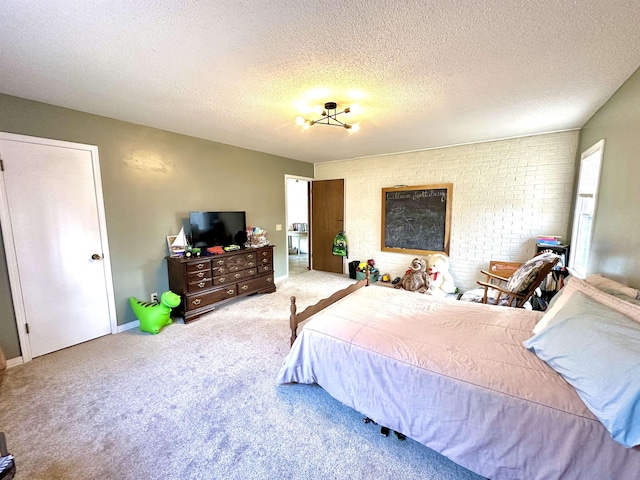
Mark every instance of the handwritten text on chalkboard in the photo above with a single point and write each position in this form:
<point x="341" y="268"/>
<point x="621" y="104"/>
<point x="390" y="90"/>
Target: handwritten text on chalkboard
<point x="416" y="219"/>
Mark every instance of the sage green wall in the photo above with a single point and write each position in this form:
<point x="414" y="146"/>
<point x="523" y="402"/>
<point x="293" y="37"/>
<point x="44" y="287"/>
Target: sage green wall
<point x="151" y="179"/>
<point x="8" y="329"/>
<point x="616" y="236"/>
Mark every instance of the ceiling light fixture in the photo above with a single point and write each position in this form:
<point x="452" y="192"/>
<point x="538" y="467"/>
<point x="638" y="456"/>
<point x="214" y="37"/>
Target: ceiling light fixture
<point x="330" y="117"/>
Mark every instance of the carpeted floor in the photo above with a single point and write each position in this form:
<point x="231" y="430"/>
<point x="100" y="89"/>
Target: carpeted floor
<point x="198" y="401"/>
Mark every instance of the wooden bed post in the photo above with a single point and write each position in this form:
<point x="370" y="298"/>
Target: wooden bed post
<point x="296" y="319"/>
<point x="292" y="320"/>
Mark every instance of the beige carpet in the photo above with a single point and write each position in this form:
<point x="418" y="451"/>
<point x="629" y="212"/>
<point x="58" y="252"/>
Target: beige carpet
<point x="197" y="401"/>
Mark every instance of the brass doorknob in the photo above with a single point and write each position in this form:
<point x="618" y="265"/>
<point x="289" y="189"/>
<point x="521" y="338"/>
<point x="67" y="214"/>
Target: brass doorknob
<point x="95" y="256"/>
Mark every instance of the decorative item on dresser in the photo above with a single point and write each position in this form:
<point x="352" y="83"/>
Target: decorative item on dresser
<point x="205" y="283"/>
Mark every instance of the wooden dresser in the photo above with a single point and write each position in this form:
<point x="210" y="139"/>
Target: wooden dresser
<point x="204" y="283"/>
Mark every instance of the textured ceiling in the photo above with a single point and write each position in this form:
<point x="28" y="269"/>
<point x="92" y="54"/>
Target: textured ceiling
<point x="427" y="73"/>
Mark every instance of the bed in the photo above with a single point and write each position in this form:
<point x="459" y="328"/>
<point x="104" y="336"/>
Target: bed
<point x="456" y="377"/>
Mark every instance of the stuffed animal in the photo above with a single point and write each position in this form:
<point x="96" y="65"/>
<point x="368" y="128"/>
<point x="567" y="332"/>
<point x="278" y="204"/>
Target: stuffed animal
<point x="154" y="316"/>
<point x="440" y="280"/>
<point x="415" y="279"/>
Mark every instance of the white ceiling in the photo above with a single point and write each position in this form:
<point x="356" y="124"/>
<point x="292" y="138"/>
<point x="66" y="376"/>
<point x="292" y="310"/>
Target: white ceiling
<point x="429" y="73"/>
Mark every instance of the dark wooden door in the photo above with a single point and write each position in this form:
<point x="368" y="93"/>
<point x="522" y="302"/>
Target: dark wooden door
<point x="327" y="219"/>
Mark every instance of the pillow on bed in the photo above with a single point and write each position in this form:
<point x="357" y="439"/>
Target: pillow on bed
<point x="626" y="298"/>
<point x="611" y="286"/>
<point x="597" y="351"/>
<point x="575" y="284"/>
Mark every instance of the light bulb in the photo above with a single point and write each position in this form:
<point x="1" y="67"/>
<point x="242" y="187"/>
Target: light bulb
<point x="318" y="109"/>
<point x="355" y="108"/>
<point x="299" y="121"/>
<point x="355" y="127"/>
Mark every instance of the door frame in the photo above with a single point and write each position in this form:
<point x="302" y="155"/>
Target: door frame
<point x="286" y="215"/>
<point x="9" y="245"/>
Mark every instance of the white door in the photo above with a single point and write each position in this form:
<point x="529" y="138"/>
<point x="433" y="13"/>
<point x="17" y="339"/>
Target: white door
<point x="53" y="205"/>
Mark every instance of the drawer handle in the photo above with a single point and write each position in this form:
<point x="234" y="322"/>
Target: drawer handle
<point x="250" y="255"/>
<point x="220" y="262"/>
<point x="265" y="260"/>
<point x="201" y="274"/>
<point x="250" y="264"/>
<point x="200" y="266"/>
<point x="221" y="279"/>
<point x="201" y="284"/>
<point x="237" y="275"/>
<point x="252" y="272"/>
<point x="196" y="301"/>
<point x="230" y="292"/>
<point x="244" y="287"/>
<point x="264" y="254"/>
<point x="269" y="279"/>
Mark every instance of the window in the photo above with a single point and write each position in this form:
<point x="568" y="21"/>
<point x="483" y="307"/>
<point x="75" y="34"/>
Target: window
<point x="586" y="201"/>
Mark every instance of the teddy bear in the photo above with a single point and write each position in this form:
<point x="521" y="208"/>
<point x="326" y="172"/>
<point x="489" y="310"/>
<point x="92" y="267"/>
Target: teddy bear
<point x="440" y="280"/>
<point x="415" y="279"/>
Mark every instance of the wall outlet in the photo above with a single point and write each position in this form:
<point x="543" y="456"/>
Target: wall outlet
<point x="154" y="297"/>
<point x="278" y="226"/>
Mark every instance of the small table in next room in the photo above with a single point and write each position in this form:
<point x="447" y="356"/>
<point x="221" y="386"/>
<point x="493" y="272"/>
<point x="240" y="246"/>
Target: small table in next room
<point x="291" y="234"/>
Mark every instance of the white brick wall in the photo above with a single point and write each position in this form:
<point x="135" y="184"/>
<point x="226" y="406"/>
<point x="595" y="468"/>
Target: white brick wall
<point x="505" y="193"/>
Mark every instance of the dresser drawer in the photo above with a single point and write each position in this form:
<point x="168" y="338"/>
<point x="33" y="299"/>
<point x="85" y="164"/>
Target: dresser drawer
<point x="217" y="271"/>
<point x="265" y="256"/>
<point x="198" y="276"/>
<point x="238" y="275"/>
<point x="264" y="261"/>
<point x="265" y="268"/>
<point x="236" y="263"/>
<point x="218" y="262"/>
<point x="255" y="284"/>
<point x="197" y="286"/>
<point x="198" y="301"/>
<point x="223" y="279"/>
<point x="200" y="266"/>
<point x="251" y="259"/>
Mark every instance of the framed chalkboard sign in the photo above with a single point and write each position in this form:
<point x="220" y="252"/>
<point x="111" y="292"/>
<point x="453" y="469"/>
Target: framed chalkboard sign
<point x="416" y="219"/>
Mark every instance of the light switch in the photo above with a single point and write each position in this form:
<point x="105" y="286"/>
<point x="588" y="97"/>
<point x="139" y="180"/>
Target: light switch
<point x="278" y="227"/>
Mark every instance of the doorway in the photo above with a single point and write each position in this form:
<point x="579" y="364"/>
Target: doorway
<point x="297" y="200"/>
<point x="54" y="231"/>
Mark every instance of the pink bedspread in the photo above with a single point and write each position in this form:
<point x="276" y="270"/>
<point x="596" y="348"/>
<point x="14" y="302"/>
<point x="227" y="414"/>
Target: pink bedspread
<point x="455" y="377"/>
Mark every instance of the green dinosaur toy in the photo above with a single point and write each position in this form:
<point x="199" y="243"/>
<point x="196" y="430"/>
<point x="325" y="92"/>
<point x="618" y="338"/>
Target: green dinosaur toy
<point x="154" y="316"/>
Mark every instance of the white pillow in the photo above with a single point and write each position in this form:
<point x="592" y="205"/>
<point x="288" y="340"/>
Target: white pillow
<point x="575" y="284"/>
<point x="611" y="286"/>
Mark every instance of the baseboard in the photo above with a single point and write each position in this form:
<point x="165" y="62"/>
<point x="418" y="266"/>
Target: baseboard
<point x="14" y="362"/>
<point x="128" y="326"/>
<point x="280" y="278"/>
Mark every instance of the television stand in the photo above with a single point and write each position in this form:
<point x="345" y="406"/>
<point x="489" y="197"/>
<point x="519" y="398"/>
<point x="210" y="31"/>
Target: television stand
<point x="206" y="283"/>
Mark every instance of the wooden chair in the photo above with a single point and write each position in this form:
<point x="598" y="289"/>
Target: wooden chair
<point x="513" y="284"/>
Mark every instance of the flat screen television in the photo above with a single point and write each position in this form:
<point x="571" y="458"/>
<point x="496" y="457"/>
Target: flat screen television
<point x="210" y="229"/>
